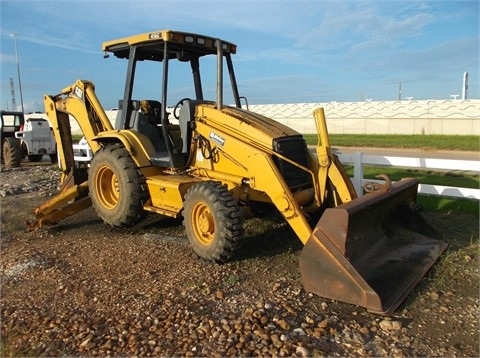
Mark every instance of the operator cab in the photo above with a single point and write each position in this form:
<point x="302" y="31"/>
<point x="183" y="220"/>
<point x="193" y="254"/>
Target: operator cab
<point x="157" y="66"/>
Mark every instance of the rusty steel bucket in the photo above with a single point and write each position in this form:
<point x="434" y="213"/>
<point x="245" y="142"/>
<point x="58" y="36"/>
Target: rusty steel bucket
<point x="371" y="251"/>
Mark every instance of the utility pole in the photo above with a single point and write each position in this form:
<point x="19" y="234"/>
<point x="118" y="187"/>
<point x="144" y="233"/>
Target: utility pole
<point x="12" y="92"/>
<point x="400" y="91"/>
<point x="14" y="36"/>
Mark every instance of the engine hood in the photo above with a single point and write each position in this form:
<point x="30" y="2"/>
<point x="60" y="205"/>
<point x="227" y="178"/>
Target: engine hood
<point x="249" y="125"/>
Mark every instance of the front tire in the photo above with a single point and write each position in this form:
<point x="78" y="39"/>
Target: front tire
<point x="213" y="221"/>
<point x="117" y="188"/>
<point x="12" y="152"/>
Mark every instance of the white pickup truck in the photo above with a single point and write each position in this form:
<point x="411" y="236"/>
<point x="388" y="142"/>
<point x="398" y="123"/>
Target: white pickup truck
<point x="37" y="140"/>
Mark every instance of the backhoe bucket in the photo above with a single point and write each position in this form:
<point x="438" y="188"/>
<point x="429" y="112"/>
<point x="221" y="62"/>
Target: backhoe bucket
<point x="371" y="251"/>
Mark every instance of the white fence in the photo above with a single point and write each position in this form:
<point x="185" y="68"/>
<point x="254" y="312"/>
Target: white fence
<point x="358" y="159"/>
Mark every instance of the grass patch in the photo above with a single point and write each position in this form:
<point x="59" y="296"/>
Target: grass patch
<point x="456" y="266"/>
<point x="414" y="141"/>
<point x="447" y="205"/>
<point x="232" y="280"/>
<point x="76" y="137"/>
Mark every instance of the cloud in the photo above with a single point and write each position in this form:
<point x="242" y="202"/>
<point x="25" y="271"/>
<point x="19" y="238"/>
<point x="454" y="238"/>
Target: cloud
<point x="7" y="58"/>
<point x="74" y="42"/>
<point x="356" y="28"/>
<point x="341" y="34"/>
<point x="442" y="58"/>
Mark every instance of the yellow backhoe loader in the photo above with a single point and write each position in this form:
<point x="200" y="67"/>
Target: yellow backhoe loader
<point x="209" y="162"/>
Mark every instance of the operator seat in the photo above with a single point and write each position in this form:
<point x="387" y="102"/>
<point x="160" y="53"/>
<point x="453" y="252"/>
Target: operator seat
<point x="145" y="122"/>
<point x="153" y="110"/>
<point x="145" y="118"/>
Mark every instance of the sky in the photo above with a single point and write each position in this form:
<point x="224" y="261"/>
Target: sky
<point x="293" y="51"/>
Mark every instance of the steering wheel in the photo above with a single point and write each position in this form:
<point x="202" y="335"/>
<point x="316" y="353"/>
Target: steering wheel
<point x="177" y="106"/>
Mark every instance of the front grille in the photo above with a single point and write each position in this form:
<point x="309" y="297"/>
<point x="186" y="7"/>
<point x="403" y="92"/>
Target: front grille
<point x="295" y="149"/>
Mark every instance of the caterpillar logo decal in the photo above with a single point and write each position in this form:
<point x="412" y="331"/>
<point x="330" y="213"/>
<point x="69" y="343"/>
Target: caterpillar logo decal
<point x="78" y="92"/>
<point x="217" y="139"/>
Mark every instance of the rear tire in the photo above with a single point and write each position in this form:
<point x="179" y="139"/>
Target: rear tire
<point x="117" y="188"/>
<point x="12" y="152"/>
<point x="213" y="221"/>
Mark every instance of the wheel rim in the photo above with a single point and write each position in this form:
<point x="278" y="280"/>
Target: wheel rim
<point x="107" y="187"/>
<point x="203" y="224"/>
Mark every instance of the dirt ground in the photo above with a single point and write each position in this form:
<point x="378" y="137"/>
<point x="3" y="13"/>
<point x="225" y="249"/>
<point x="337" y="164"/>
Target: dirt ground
<point x="81" y="288"/>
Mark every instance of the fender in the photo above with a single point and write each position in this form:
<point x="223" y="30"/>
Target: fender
<point x="137" y="144"/>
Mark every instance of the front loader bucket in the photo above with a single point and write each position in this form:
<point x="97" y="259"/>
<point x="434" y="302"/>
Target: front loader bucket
<point x="371" y="251"/>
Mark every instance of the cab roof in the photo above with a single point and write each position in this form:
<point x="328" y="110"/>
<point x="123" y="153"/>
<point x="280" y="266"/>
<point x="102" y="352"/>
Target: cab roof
<point x="152" y="44"/>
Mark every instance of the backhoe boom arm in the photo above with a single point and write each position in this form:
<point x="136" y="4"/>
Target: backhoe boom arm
<point x="79" y="101"/>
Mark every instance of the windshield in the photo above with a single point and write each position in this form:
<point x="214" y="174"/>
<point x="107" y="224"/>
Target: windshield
<point x="148" y="81"/>
<point x="10" y="120"/>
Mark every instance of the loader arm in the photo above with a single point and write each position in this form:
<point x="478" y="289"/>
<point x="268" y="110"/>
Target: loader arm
<point x="80" y="101"/>
<point x="253" y="162"/>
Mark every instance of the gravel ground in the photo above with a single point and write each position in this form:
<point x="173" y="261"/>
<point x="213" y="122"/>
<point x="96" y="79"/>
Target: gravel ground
<point x="83" y="289"/>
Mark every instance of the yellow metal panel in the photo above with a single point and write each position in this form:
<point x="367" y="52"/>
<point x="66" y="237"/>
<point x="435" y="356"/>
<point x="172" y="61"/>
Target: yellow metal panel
<point x="161" y="36"/>
<point x="167" y="192"/>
